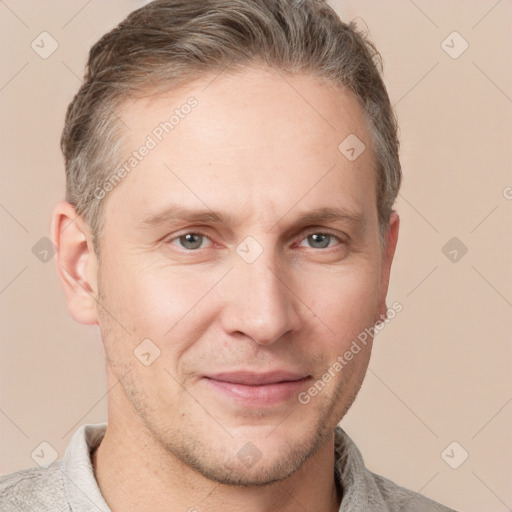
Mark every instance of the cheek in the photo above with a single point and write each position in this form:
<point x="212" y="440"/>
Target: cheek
<point x="153" y="299"/>
<point x="346" y="301"/>
<point x="168" y="306"/>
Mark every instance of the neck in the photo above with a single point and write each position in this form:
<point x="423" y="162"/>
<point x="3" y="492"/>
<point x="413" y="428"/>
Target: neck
<point x="135" y="473"/>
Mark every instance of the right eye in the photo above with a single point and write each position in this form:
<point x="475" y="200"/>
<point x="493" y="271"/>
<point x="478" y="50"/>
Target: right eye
<point x="190" y="241"/>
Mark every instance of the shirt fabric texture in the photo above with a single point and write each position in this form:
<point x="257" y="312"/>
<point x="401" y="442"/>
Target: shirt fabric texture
<point x="69" y="484"/>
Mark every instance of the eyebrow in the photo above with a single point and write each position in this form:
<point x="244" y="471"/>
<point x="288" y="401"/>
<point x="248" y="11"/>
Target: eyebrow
<point x="176" y="213"/>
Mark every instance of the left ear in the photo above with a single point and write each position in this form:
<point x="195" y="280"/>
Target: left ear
<point x="388" y="251"/>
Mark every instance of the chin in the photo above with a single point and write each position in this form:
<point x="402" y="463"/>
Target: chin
<point x="250" y="464"/>
<point x="260" y="475"/>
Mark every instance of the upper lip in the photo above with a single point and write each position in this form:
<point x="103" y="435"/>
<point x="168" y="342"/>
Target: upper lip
<point x="253" y="378"/>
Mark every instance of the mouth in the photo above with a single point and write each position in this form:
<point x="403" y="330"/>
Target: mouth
<point x="257" y="389"/>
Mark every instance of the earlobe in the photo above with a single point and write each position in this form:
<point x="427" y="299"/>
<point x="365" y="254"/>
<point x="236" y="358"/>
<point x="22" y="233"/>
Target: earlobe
<point x="76" y="261"/>
<point x="387" y="259"/>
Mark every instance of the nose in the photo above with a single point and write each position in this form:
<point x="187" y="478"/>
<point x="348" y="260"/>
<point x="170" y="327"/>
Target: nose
<point x="259" y="300"/>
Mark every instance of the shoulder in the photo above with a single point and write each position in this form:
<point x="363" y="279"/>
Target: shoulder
<point x="31" y="489"/>
<point x="365" y="490"/>
<point x="399" y="498"/>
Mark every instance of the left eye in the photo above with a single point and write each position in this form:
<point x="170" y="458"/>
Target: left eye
<point x="320" y="240"/>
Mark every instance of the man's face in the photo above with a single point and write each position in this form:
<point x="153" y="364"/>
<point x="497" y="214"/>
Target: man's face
<point x="261" y="296"/>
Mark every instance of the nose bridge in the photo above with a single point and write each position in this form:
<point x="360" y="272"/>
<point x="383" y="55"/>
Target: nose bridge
<point x="260" y="304"/>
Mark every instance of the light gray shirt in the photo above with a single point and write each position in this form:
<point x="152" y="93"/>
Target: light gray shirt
<point x="69" y="484"/>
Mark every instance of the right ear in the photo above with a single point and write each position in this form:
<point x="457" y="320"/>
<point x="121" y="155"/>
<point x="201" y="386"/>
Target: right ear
<point x="77" y="264"/>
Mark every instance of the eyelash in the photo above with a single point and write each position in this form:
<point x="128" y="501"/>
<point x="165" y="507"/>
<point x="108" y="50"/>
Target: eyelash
<point x="314" y="232"/>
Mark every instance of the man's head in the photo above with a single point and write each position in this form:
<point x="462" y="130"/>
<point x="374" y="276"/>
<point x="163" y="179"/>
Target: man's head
<point x="283" y="144"/>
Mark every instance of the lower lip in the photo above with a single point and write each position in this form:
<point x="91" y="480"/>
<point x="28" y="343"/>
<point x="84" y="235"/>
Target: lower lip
<point x="261" y="395"/>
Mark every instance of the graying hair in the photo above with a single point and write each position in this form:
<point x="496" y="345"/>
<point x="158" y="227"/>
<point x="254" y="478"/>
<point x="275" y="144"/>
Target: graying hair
<point x="168" y="43"/>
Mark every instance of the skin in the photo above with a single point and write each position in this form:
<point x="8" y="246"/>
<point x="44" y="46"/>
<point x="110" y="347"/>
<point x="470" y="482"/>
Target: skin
<point x="255" y="149"/>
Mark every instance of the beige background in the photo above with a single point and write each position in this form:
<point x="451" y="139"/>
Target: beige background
<point x="440" y="370"/>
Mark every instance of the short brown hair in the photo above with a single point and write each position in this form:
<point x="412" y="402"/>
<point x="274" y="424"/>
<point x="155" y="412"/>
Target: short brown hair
<point x="168" y="43"/>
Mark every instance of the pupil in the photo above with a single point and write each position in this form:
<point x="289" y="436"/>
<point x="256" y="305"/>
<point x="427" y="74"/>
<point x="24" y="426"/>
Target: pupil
<point x="192" y="240"/>
<point x="320" y="238"/>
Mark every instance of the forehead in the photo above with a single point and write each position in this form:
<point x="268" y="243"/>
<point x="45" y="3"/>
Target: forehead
<point x="247" y="139"/>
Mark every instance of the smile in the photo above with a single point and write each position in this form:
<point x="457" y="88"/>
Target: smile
<point x="257" y="390"/>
